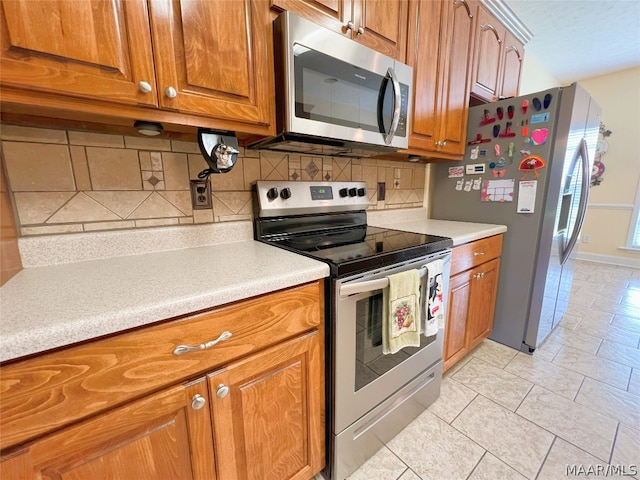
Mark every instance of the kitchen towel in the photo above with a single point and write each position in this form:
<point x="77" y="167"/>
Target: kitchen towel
<point x="434" y="318"/>
<point x="401" y="314"/>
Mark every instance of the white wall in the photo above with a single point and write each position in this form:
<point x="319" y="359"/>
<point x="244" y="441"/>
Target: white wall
<point x="534" y="77"/>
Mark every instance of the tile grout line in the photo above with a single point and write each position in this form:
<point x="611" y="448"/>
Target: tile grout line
<point x="544" y="460"/>
<point x="477" y="464"/>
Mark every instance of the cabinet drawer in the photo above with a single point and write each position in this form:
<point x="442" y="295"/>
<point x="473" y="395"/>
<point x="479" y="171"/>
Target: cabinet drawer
<point x="474" y="253"/>
<point x="46" y="392"/>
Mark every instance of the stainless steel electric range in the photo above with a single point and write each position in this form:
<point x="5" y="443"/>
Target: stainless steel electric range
<point x="370" y="396"/>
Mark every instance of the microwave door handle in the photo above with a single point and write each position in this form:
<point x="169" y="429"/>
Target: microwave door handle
<point x="396" y="106"/>
<point x="371" y="285"/>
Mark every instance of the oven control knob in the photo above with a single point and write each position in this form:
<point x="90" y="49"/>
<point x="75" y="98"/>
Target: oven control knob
<point x="272" y="193"/>
<point x="353" y="192"/>
<point x="285" y="193"/>
<point x="343" y="192"/>
<point x="362" y="192"/>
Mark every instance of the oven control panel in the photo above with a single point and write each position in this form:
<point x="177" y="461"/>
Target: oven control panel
<point x="276" y="198"/>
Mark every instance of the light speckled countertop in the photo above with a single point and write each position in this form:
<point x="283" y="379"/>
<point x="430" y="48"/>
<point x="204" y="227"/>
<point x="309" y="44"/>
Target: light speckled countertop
<point x="414" y="220"/>
<point x="71" y="293"/>
<point x="53" y="306"/>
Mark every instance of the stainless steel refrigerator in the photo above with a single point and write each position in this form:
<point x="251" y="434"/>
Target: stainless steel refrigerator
<point x="528" y="166"/>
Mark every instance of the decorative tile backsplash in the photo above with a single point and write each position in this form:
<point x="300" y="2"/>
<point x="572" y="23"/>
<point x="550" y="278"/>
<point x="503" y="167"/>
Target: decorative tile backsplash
<point x="74" y="181"/>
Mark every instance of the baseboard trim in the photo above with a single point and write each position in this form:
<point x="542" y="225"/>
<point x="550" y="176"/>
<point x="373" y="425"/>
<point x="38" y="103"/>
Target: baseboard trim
<point x="609" y="259"/>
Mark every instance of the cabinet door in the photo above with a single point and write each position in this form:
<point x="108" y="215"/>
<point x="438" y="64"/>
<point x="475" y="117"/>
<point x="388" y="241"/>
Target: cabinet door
<point x="331" y="14"/>
<point x="454" y="105"/>
<point x="512" y="52"/>
<point x="382" y="25"/>
<point x="214" y="58"/>
<point x="488" y="53"/>
<point x="99" y="50"/>
<point x="161" y="437"/>
<point x="268" y="413"/>
<point x="484" y="285"/>
<point x="458" y="311"/>
<point x="423" y="55"/>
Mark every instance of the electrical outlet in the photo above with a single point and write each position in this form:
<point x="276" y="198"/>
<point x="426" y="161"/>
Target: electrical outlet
<point x="382" y="189"/>
<point x="200" y="194"/>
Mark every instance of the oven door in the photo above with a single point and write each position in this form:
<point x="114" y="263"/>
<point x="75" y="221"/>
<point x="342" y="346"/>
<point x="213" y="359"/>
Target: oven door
<point x="363" y="376"/>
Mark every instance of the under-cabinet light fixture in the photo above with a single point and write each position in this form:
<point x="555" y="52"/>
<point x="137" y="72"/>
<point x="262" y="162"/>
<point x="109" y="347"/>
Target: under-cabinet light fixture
<point x="150" y="129"/>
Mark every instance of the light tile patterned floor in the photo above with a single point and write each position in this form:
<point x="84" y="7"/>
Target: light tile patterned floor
<point x="574" y="404"/>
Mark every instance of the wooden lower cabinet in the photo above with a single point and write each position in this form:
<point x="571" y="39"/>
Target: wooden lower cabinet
<point x="159" y="437"/>
<point x="472" y="299"/>
<point x="249" y="407"/>
<point x="268" y="413"/>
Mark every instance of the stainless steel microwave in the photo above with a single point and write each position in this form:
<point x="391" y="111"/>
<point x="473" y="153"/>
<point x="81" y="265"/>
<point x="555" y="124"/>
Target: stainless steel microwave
<point x="335" y="96"/>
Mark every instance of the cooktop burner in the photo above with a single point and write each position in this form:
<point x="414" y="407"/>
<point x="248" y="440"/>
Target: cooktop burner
<point x="332" y="227"/>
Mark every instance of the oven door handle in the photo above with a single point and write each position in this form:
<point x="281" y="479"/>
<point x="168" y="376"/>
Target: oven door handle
<point x="371" y="285"/>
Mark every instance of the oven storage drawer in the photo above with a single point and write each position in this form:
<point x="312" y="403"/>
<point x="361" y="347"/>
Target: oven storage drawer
<point x="475" y="253"/>
<point x="49" y="391"/>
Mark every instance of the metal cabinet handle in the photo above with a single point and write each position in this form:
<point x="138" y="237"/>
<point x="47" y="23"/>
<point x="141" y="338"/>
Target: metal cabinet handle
<point x="350" y="25"/>
<point x="360" y="30"/>
<point x="182" y="349"/>
<point x="457" y="3"/>
<point x="222" y="391"/>
<point x="170" y="92"/>
<point x="488" y="26"/>
<point x="478" y="276"/>
<point x="198" y="401"/>
<point x="144" y="87"/>
<point x="482" y="252"/>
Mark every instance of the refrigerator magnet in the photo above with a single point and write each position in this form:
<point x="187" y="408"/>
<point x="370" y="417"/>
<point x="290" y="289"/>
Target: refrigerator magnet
<point x="474" y="152"/>
<point x="455" y="172"/>
<point x="467" y="185"/>
<point x="497" y="190"/>
<point x="527" y="196"/>
<point x="477" y="183"/>
<point x="459" y="184"/>
<point x="531" y="163"/>
<point x="539" y="136"/>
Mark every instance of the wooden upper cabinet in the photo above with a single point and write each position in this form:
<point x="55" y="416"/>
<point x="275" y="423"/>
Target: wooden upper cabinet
<point x="489" y="42"/>
<point x="268" y="412"/>
<point x="439" y="50"/>
<point x="167" y="435"/>
<point x="85" y="49"/>
<point x="378" y="24"/>
<point x="512" y="57"/>
<point x="382" y="25"/>
<point x="213" y="57"/>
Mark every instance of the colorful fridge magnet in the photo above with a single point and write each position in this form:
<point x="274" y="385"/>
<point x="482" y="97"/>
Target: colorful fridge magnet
<point x="499" y="172"/>
<point x="467" y="185"/>
<point x="531" y="163"/>
<point x="537" y="106"/>
<point x="507" y="131"/>
<point x="459" y="184"/>
<point x="496" y="148"/>
<point x="510" y="151"/>
<point x="500" y="113"/>
<point x="496" y="130"/>
<point x="497" y="190"/>
<point x="510" y="111"/>
<point x="476" y="183"/>
<point x="547" y="100"/>
<point x="455" y="172"/>
<point x="474" y="153"/>
<point x="478" y="140"/>
<point x="524" y="106"/>
<point x="539" y="136"/>
<point x="487" y="118"/>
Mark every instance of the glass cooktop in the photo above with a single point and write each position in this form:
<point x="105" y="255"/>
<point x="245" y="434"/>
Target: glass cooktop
<point x="361" y="248"/>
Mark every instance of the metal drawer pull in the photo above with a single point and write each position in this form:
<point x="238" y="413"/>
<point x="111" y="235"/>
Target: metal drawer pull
<point x="182" y="349"/>
<point x="222" y="391"/>
<point x="198" y="401"/>
<point x="475" y="254"/>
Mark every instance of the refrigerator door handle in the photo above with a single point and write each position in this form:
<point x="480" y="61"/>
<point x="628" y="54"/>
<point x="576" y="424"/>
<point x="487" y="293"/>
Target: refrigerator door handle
<point x="583" y="153"/>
